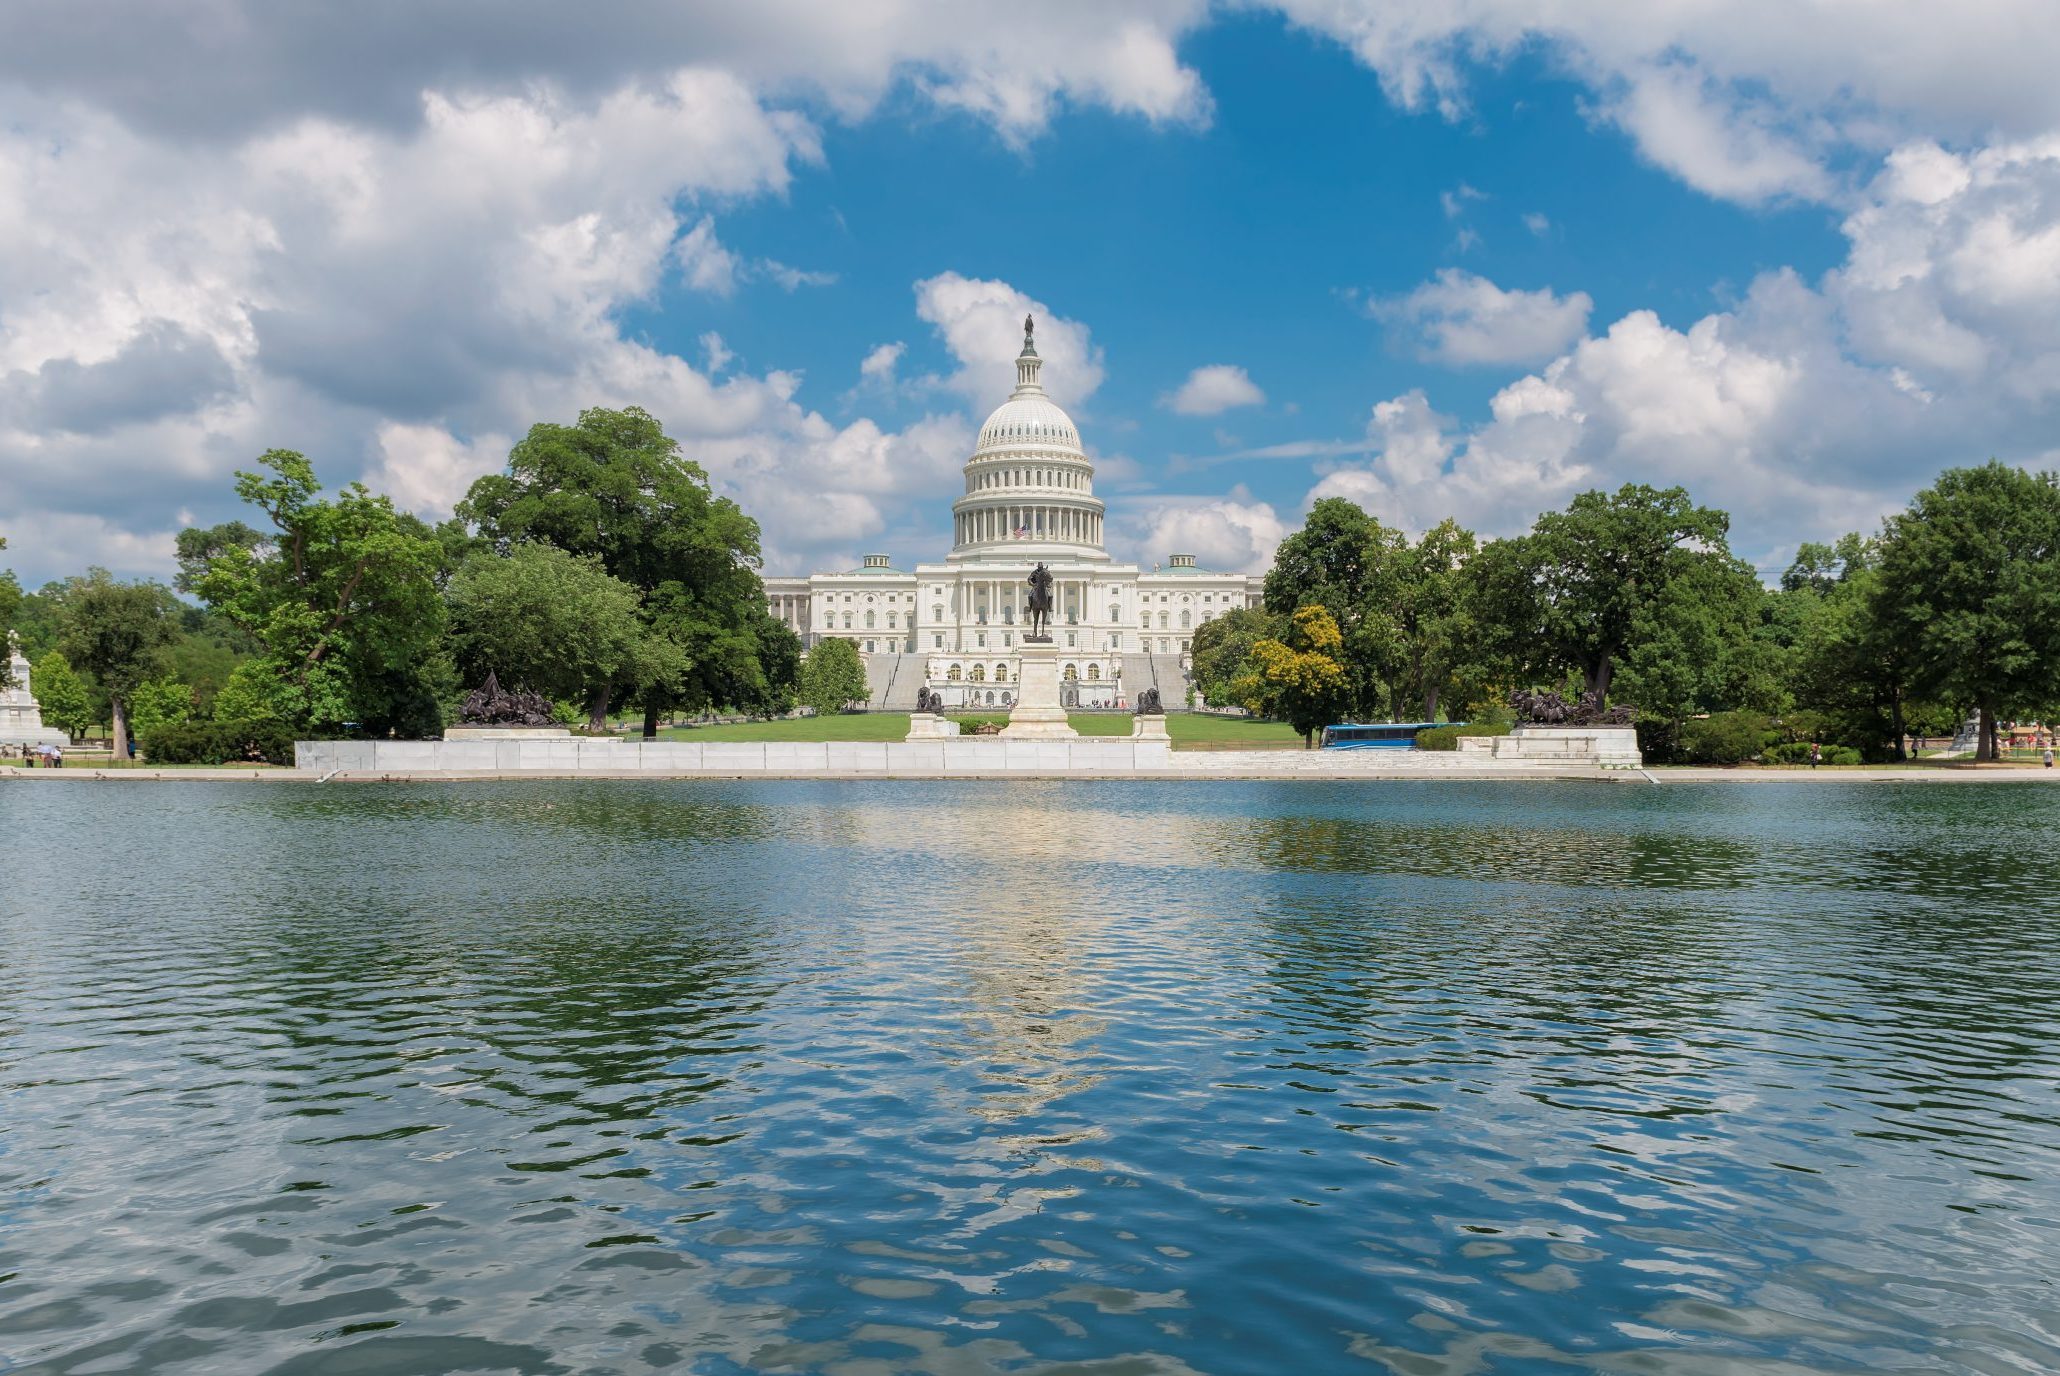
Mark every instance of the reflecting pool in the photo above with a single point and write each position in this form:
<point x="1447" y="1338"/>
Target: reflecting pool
<point x="954" y="1078"/>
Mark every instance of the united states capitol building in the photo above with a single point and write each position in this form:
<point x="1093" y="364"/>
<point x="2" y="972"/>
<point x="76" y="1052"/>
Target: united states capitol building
<point x="954" y="626"/>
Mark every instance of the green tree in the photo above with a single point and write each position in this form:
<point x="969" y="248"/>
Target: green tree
<point x="1300" y="679"/>
<point x="1222" y="650"/>
<point x="341" y="600"/>
<point x="1848" y="667"/>
<point x="117" y="632"/>
<point x="61" y="695"/>
<point x="1970" y="584"/>
<point x="540" y="618"/>
<point x="1439" y="644"/>
<point x="207" y="651"/>
<point x="253" y="693"/>
<point x="160" y="702"/>
<point x="198" y="546"/>
<point x="1348" y="563"/>
<point x="832" y="677"/>
<point x="615" y="487"/>
<point x="1697" y="648"/>
<point x="1575" y="593"/>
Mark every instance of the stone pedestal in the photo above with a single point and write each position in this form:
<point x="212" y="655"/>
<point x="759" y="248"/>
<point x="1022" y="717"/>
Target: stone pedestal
<point x="21" y="720"/>
<point x="1612" y="747"/>
<point x="928" y="726"/>
<point x="1149" y="727"/>
<point x="1037" y="715"/>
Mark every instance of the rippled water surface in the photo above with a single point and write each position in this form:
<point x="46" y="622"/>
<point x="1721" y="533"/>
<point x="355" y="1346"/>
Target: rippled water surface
<point x="964" y="1078"/>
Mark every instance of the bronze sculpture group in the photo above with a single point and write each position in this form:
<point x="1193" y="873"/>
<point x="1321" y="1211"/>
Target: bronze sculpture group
<point x="1550" y="709"/>
<point x="491" y="705"/>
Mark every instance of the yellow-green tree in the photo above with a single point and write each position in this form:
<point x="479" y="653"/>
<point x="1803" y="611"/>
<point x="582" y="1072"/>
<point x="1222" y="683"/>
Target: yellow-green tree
<point x="1300" y="680"/>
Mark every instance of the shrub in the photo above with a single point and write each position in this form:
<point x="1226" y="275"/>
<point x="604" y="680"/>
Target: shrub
<point x="1798" y="752"/>
<point x="219" y="742"/>
<point x="1726" y="737"/>
<point x="1447" y="737"/>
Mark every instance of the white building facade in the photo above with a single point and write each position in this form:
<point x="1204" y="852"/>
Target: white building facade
<point x="953" y="626"/>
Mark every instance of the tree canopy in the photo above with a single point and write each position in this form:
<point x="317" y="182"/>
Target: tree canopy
<point x="1300" y="678"/>
<point x="341" y="599"/>
<point x="61" y="695"/>
<point x="614" y="486"/>
<point x="543" y="619"/>
<point x="1970" y="584"/>
<point x="1574" y="594"/>
<point x="1222" y="646"/>
<point x="832" y="677"/>
<point x="118" y="633"/>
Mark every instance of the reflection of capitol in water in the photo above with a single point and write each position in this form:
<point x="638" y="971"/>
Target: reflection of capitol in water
<point x="955" y="626"/>
<point x="1019" y="960"/>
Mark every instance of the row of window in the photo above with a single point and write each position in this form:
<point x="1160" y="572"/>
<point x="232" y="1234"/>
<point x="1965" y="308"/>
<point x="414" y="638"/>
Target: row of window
<point x="1027" y="477"/>
<point x="1165" y="645"/>
<point x="978" y="673"/>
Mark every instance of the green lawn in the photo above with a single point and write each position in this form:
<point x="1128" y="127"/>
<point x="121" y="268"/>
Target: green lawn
<point x="1189" y="731"/>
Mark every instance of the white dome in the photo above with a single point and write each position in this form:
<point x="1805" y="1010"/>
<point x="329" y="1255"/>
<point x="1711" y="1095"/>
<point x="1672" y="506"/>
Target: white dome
<point x="1028" y="418"/>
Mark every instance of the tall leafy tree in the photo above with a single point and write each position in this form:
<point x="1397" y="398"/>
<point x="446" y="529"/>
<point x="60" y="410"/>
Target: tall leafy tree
<point x="1354" y="567"/>
<point x="341" y="599"/>
<point x="1696" y="648"/>
<point x="1575" y="593"/>
<point x="1848" y="666"/>
<point x="198" y="546"/>
<point x="1222" y="649"/>
<point x="544" y="619"/>
<point x="117" y="632"/>
<point x="615" y="487"/>
<point x="1970" y="583"/>
<point x="1439" y="643"/>
<point x="832" y="677"/>
<point x="779" y="660"/>
<point x="1300" y="679"/>
<point x="160" y="702"/>
<point x="61" y="695"/>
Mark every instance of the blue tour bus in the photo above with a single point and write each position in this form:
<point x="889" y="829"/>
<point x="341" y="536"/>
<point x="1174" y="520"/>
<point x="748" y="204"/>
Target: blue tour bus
<point x="1384" y="735"/>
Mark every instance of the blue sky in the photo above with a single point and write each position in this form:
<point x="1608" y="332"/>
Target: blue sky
<point x="1441" y="263"/>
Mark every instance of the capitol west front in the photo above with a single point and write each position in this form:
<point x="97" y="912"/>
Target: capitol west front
<point x="954" y="626"/>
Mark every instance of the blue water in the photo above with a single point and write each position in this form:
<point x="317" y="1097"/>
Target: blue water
<point x="1117" y="1079"/>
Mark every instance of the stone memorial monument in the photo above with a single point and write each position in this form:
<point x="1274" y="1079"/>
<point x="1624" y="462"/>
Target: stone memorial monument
<point x="1150" y="721"/>
<point x="493" y="713"/>
<point x="927" y="721"/>
<point x="1038" y="715"/>
<point x="21" y="720"/>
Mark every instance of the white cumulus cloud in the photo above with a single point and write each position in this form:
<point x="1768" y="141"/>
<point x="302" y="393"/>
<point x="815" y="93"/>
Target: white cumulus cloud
<point x="981" y="323"/>
<point x="1460" y="318"/>
<point x="1212" y="390"/>
<point x="1235" y="533"/>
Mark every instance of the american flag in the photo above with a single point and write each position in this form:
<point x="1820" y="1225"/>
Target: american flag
<point x="1022" y="531"/>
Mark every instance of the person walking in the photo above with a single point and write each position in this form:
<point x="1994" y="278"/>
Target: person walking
<point x="1816" y="754"/>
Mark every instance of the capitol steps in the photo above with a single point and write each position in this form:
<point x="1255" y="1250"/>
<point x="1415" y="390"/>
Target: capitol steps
<point x="1165" y="674"/>
<point x="892" y="681"/>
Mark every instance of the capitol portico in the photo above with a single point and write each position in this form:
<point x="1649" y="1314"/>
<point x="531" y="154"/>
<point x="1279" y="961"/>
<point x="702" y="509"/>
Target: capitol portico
<point x="954" y="626"/>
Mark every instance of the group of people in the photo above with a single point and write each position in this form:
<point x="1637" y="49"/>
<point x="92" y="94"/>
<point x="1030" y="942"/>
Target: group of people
<point x="49" y="756"/>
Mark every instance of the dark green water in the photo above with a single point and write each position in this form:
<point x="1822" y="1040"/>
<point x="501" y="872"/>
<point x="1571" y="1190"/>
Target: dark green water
<point x="1119" y="1079"/>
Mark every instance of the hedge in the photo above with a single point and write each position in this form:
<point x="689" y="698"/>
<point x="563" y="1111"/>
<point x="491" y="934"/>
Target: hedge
<point x="1447" y="737"/>
<point x="219" y="742"/>
<point x="1798" y="752"/>
<point x="1726" y="737"/>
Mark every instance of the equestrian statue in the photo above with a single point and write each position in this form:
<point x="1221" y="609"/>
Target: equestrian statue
<point x="1040" y="605"/>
